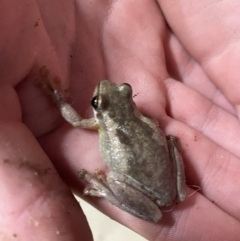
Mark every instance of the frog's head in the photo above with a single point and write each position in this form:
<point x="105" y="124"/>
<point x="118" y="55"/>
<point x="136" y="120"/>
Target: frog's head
<point x="112" y="101"/>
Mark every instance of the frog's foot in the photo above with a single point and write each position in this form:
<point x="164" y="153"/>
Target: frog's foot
<point x="97" y="183"/>
<point x="121" y="195"/>
<point x="52" y="87"/>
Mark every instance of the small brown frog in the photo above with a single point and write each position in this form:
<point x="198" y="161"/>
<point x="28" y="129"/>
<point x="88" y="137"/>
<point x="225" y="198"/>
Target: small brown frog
<point x="146" y="171"/>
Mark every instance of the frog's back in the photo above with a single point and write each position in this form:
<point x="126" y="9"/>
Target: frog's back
<point x="138" y="149"/>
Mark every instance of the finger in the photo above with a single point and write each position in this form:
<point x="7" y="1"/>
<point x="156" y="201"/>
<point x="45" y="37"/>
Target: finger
<point x="34" y="200"/>
<point x="198" y="112"/>
<point x="210" y="163"/>
<point x="131" y="51"/>
<point x="215" y="49"/>
<point x="183" y="67"/>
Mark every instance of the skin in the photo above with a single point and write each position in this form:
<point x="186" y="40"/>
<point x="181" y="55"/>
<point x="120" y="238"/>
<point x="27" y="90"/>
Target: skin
<point x="202" y="108"/>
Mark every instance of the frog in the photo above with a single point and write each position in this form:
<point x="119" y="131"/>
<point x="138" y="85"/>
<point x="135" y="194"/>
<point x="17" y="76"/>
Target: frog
<point x="145" y="167"/>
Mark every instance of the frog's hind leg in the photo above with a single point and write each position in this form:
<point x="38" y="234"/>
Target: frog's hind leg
<point x="134" y="201"/>
<point x="173" y="146"/>
<point x="121" y="195"/>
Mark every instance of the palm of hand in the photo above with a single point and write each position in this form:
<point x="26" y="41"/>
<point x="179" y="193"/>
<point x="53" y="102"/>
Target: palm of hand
<point x="132" y="44"/>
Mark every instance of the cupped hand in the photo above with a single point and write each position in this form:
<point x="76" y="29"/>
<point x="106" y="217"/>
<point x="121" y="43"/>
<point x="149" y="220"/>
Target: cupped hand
<point x="181" y="59"/>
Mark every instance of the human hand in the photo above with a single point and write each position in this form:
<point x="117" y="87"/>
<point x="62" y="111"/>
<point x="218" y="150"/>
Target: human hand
<point x="124" y="42"/>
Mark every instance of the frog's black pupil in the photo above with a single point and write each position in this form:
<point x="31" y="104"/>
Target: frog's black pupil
<point x="94" y="102"/>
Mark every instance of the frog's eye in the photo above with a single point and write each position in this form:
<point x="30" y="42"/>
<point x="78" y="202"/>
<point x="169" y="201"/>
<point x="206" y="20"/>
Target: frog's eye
<point x="126" y="89"/>
<point x="99" y="102"/>
<point x="94" y="102"/>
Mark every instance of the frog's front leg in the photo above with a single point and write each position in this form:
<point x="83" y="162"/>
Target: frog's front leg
<point x="121" y="194"/>
<point x="52" y="87"/>
<point x="173" y="146"/>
